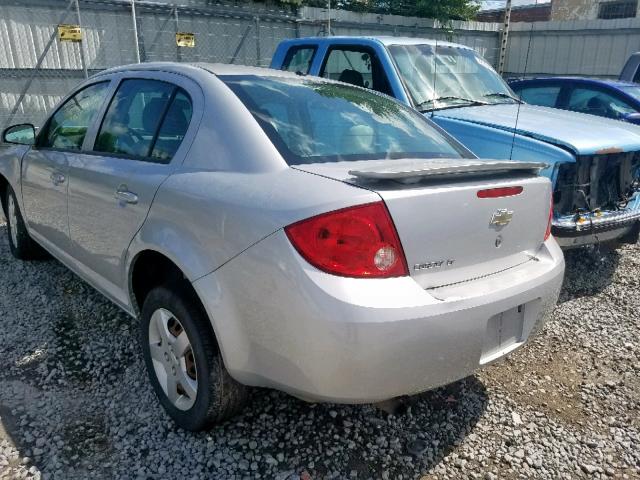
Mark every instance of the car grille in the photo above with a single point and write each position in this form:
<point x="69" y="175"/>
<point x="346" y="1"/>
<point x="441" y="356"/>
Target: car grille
<point x="597" y="182"/>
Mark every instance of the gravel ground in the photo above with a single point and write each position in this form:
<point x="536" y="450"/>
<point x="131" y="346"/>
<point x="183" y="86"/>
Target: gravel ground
<point x="75" y="401"/>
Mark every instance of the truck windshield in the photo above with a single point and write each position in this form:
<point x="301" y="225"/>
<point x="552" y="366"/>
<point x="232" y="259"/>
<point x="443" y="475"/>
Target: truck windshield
<point x="313" y="121"/>
<point x="448" y="77"/>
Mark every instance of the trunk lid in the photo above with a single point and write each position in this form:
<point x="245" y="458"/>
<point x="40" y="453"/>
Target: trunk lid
<point x="448" y="233"/>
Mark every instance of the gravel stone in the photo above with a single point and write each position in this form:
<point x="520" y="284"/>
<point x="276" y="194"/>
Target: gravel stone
<point x="75" y="402"/>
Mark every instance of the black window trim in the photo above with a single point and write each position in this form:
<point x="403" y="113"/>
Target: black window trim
<point x="142" y="158"/>
<point x="294" y="49"/>
<point x="45" y="127"/>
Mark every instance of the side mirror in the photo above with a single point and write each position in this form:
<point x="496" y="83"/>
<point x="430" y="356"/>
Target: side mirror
<point x="23" y="134"/>
<point x="632" y="118"/>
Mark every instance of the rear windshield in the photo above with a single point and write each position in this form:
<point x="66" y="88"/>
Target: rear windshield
<point x="310" y="121"/>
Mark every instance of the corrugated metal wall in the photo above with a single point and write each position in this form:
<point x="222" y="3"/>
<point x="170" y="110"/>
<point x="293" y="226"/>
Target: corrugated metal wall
<point x="249" y="35"/>
<point x="597" y="48"/>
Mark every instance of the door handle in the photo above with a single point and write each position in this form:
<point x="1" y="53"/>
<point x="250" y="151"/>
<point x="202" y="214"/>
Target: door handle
<point x="124" y="195"/>
<point x="57" y="178"/>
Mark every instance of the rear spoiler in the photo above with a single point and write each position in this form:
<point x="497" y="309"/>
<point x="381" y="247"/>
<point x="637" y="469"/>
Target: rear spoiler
<point x="440" y="168"/>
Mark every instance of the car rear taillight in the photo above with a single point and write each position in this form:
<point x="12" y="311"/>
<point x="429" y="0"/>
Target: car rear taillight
<point x="500" y="192"/>
<point x="358" y="241"/>
<point x="547" y="234"/>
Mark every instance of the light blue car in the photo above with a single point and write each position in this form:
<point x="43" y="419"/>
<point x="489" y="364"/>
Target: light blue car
<point x="594" y="163"/>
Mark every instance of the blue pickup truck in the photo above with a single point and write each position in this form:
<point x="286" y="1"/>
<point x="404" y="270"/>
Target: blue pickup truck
<point x="594" y="163"/>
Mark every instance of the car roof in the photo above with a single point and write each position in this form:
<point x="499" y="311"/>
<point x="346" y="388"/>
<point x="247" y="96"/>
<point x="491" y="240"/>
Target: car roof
<point x="568" y="79"/>
<point x="215" y="68"/>
<point x="383" y="39"/>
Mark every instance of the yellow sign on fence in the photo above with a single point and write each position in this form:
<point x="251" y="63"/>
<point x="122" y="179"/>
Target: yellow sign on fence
<point x="185" y="39"/>
<point x="69" y="33"/>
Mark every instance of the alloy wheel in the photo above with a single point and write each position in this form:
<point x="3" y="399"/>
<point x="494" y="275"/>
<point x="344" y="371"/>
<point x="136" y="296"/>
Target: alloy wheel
<point x="13" y="221"/>
<point x="173" y="359"/>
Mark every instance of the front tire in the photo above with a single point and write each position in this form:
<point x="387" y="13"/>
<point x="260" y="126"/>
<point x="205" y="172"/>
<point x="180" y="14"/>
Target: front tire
<point x="21" y="244"/>
<point x="183" y="360"/>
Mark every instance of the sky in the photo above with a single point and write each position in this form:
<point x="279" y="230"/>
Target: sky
<point x="489" y="4"/>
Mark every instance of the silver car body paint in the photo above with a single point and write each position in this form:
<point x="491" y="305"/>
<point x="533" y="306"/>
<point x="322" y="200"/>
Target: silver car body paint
<point x="218" y="211"/>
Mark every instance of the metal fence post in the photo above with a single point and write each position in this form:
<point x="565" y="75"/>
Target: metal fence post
<point x="175" y="19"/>
<point x="258" y="53"/>
<point x="505" y="37"/>
<point x="135" y="30"/>
<point x="83" y="42"/>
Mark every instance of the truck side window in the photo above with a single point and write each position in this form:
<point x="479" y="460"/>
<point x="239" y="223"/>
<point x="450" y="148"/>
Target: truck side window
<point x="357" y="66"/>
<point x="298" y="59"/>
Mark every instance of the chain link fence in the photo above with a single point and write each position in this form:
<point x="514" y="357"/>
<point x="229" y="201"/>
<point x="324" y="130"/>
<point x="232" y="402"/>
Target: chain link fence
<point x="44" y="54"/>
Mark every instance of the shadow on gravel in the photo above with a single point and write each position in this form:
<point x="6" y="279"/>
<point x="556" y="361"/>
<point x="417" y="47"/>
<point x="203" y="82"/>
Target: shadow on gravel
<point x="326" y="439"/>
<point x="588" y="272"/>
<point x="87" y="410"/>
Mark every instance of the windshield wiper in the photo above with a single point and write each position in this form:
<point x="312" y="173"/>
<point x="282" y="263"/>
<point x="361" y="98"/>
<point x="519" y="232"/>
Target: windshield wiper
<point x="466" y="102"/>
<point x="502" y="95"/>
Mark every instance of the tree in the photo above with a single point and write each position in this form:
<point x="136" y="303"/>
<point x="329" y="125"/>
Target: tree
<point x="442" y="10"/>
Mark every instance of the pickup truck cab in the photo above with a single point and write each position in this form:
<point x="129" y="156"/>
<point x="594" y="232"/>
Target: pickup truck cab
<point x="594" y="163"/>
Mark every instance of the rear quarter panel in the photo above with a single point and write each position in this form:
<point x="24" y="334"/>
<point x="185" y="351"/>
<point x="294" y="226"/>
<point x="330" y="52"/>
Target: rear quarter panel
<point x="203" y="219"/>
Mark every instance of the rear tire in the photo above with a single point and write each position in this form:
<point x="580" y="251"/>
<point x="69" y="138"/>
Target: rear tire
<point x="21" y="244"/>
<point x="187" y="373"/>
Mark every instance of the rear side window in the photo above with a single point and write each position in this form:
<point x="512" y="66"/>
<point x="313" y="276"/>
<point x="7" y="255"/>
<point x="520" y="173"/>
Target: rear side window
<point x="544" y="96"/>
<point x="173" y="128"/>
<point x="146" y="119"/>
<point x="312" y="121"/>
<point x="298" y="59"/>
<point x="68" y="126"/>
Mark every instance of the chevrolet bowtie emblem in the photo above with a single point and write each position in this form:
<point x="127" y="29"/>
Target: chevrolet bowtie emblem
<point x="501" y="217"/>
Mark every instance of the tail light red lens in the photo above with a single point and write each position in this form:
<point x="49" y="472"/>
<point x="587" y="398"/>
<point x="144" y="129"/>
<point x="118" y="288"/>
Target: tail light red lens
<point x="547" y="234"/>
<point x="358" y="241"/>
<point x="500" y="192"/>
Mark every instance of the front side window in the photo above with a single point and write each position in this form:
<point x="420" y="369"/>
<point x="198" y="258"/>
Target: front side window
<point x="68" y="126"/>
<point x="146" y="118"/>
<point x="597" y="102"/>
<point x="445" y="77"/>
<point x="544" y="96"/>
<point x="299" y="59"/>
<point x="315" y="122"/>
<point x="357" y="66"/>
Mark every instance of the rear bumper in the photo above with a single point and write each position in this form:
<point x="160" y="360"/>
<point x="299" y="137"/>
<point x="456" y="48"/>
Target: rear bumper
<point x="605" y="227"/>
<point x="283" y="324"/>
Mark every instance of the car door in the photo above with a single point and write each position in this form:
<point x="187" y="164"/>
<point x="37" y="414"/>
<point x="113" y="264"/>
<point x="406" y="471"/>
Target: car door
<point x="138" y="143"/>
<point x="45" y="167"/>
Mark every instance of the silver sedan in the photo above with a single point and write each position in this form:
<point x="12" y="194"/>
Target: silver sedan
<point x="280" y="231"/>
